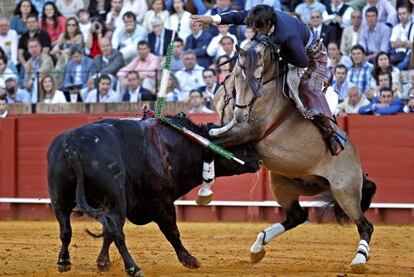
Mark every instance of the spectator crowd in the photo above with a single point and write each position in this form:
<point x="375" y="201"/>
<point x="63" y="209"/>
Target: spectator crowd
<point x="108" y="51"/>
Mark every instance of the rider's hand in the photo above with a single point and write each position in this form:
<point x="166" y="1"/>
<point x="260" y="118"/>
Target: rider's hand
<point x="201" y="20"/>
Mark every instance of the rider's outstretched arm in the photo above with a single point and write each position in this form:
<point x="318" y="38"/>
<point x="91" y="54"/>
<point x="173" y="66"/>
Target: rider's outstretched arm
<point x="231" y="17"/>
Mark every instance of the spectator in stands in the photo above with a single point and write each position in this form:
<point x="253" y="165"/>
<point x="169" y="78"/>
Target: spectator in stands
<point x="305" y="9"/>
<point x="198" y="42"/>
<point x="10" y="64"/>
<point x="5" y="72"/>
<point x="146" y="64"/>
<point x="173" y="90"/>
<point x="113" y="19"/>
<point x="33" y="32"/>
<point x="383" y="79"/>
<point x="104" y="93"/>
<point x="223" y="70"/>
<point x="228" y="46"/>
<point x="248" y="33"/>
<point x="16" y="94"/>
<point x="339" y="82"/>
<point x="52" y="22"/>
<point x="322" y="31"/>
<point x="61" y="51"/>
<point x="84" y="23"/>
<point x="49" y="94"/>
<point x="139" y="7"/>
<point x="375" y="36"/>
<point x="110" y="62"/>
<point x="385" y="105"/>
<point x="335" y="58"/>
<point x="177" y="58"/>
<point x="157" y="10"/>
<point x="9" y="40"/>
<point x="360" y="71"/>
<point x="21" y="12"/>
<point x="197" y="102"/>
<point x="179" y="19"/>
<point x="126" y="39"/>
<point x="409" y="108"/>
<point x="352" y="103"/>
<point x="99" y="8"/>
<point x="77" y="73"/>
<point x="214" y="49"/>
<point x="159" y="38"/>
<point x="382" y="64"/>
<point x="135" y="92"/>
<point x="3" y="106"/>
<point x="402" y="37"/>
<point x="210" y="85"/>
<point x="69" y="8"/>
<point x="338" y="16"/>
<point x="221" y="6"/>
<point x="36" y="67"/>
<point x="192" y="6"/>
<point x="386" y="12"/>
<point x="350" y="35"/>
<point x="249" y="4"/>
<point x="190" y="77"/>
<point x="96" y="33"/>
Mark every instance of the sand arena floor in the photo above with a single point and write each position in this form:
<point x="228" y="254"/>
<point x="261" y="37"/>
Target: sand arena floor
<point x="31" y="249"/>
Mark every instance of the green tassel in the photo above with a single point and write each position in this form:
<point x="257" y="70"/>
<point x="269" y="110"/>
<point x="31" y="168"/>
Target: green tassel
<point x="168" y="58"/>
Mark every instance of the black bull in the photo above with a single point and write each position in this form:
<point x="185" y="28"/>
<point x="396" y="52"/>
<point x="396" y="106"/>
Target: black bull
<point x="117" y="169"/>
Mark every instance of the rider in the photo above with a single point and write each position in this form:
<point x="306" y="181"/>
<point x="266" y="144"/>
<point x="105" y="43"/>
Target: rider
<point x="299" y="47"/>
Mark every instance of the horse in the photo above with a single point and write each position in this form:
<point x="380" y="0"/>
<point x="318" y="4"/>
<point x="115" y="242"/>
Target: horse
<point x="290" y="146"/>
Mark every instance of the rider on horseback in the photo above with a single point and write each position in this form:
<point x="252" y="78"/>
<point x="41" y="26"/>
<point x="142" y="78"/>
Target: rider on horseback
<point x="299" y="47"/>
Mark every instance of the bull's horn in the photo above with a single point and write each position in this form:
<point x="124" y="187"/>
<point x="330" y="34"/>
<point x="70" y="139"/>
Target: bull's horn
<point x="217" y="132"/>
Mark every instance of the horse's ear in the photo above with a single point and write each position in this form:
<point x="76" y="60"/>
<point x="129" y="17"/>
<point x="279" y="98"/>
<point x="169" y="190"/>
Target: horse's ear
<point x="241" y="51"/>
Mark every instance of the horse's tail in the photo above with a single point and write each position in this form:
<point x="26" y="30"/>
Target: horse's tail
<point x="368" y="190"/>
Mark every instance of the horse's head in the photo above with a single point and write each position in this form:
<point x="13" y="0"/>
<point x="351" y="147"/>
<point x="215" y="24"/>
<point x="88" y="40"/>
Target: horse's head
<point x="255" y="66"/>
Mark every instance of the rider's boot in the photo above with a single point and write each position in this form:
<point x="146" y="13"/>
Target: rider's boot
<point x="328" y="134"/>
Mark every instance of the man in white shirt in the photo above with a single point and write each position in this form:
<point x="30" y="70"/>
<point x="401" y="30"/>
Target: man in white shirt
<point x="197" y="103"/>
<point x="3" y="106"/>
<point x="191" y="76"/>
<point x="126" y="38"/>
<point x="214" y="49"/>
<point x="114" y="17"/>
<point x="9" y="40"/>
<point x="338" y="15"/>
<point x="104" y="93"/>
<point x="402" y="36"/>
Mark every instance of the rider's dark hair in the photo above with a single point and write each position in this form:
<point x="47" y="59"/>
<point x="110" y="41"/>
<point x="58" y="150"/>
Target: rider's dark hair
<point x="260" y="16"/>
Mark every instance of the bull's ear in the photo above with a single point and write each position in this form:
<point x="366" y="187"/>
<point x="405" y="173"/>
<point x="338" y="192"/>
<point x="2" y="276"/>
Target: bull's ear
<point x="241" y="51"/>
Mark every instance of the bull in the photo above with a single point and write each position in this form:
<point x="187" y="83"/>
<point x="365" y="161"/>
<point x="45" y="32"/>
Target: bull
<point x="115" y="169"/>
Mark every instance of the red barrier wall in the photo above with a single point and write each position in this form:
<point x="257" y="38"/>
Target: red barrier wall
<point x="385" y="145"/>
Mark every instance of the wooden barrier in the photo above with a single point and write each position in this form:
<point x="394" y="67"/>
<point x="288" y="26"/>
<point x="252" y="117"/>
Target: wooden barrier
<point x="384" y="143"/>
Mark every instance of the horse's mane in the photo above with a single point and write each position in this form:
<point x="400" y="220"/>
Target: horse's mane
<point x="251" y="61"/>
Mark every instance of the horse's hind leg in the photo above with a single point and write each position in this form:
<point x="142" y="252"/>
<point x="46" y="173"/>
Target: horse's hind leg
<point x="287" y="195"/>
<point x="349" y="199"/>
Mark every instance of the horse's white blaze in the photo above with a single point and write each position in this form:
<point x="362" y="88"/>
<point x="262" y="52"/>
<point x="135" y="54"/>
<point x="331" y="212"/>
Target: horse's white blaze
<point x="359" y="257"/>
<point x="266" y="236"/>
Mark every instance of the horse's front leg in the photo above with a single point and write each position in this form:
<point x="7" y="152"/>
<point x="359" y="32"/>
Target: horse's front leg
<point x="295" y="215"/>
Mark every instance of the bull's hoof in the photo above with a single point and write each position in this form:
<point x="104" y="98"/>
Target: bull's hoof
<point x="191" y="262"/>
<point x="64" y="265"/>
<point x="204" y="200"/>
<point x="135" y="272"/>
<point x="257" y="257"/>
<point x="103" y="266"/>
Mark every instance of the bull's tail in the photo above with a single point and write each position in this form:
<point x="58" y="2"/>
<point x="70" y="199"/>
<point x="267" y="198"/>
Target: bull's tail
<point x="368" y="190"/>
<point x="73" y="155"/>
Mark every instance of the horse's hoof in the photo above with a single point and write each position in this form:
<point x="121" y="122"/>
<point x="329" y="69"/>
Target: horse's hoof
<point x="257" y="257"/>
<point x="103" y="266"/>
<point x="359" y="259"/>
<point x="204" y="200"/>
<point x="358" y="268"/>
<point x="135" y="272"/>
<point x="64" y="268"/>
